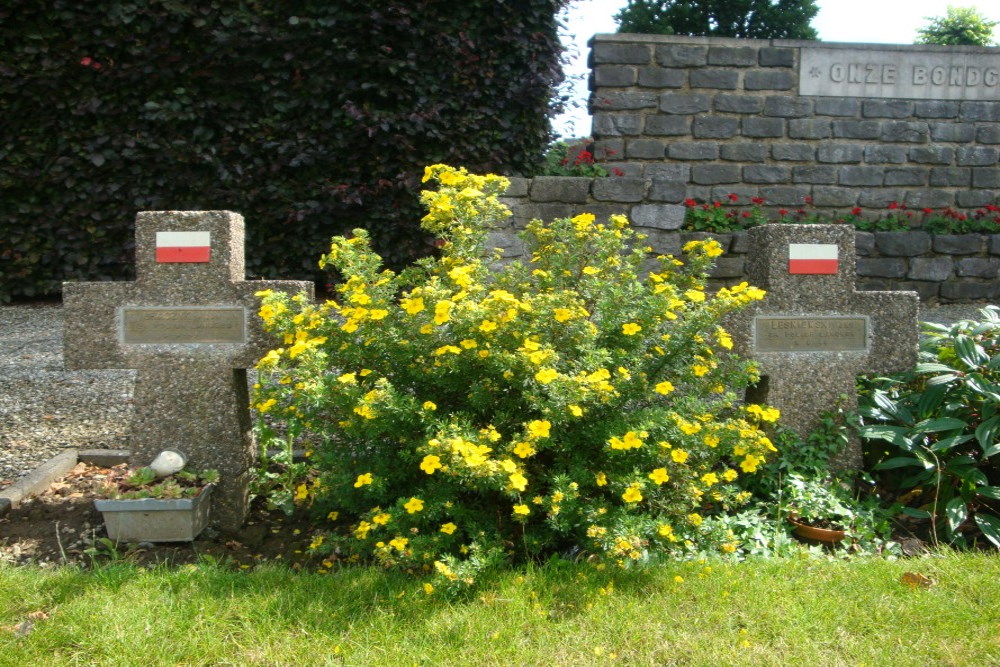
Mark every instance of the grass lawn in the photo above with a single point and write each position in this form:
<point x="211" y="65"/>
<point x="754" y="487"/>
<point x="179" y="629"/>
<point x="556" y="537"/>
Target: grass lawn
<point x="776" y="612"/>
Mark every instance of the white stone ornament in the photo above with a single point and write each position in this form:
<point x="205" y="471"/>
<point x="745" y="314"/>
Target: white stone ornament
<point x="168" y="462"/>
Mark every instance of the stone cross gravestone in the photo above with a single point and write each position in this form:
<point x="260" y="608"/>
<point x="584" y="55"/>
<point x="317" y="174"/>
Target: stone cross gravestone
<point x="813" y="333"/>
<point x="188" y="325"/>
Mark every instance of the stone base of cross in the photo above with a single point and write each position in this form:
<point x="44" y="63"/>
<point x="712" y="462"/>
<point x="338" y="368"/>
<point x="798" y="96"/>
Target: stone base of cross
<point x="813" y="333"/>
<point x="188" y="325"/>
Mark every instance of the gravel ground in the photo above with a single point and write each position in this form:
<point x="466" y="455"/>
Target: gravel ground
<point x="45" y="408"/>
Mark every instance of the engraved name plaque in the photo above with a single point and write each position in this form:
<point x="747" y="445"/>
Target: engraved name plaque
<point x="141" y="325"/>
<point x="902" y="74"/>
<point x="810" y="334"/>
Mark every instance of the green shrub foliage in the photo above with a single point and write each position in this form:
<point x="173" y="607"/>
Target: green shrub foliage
<point x="456" y="416"/>
<point x="307" y="117"/>
<point x="935" y="434"/>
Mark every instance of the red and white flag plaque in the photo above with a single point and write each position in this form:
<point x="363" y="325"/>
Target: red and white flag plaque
<point x="183" y="247"/>
<point x="812" y="258"/>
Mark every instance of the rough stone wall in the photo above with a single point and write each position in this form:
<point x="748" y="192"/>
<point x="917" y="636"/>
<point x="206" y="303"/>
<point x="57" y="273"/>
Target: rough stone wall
<point x="720" y="116"/>
<point x="948" y="268"/>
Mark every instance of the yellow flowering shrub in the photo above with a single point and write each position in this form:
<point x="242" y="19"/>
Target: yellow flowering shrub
<point x="455" y="417"/>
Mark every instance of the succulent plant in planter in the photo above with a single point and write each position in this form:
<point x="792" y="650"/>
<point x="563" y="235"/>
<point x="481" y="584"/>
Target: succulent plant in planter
<point x="140" y="507"/>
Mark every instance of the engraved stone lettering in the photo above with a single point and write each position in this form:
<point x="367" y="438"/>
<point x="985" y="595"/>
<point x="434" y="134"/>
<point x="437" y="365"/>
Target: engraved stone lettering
<point x="810" y="334"/>
<point x="183" y="325"/>
<point x="899" y="74"/>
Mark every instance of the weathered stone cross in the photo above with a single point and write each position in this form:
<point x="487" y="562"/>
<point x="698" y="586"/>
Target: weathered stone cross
<point x="188" y="326"/>
<point x="813" y="333"/>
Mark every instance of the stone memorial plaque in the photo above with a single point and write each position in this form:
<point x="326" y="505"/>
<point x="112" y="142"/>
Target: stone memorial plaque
<point x="810" y="334"/>
<point x="927" y="75"/>
<point x="141" y="325"/>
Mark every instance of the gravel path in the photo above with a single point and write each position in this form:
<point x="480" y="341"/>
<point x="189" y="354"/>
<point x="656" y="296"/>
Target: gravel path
<point x="45" y="408"/>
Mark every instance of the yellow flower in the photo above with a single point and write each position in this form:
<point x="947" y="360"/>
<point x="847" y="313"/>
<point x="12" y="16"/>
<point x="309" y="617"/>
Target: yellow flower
<point x="665" y="530"/>
<point x="430" y="406"/>
<point x="381" y="518"/>
<point x="601" y="479"/>
<point x="546" y="375"/>
<point x="487" y="326"/>
<point x="365" y="411"/>
<point x="430" y="464"/>
<point x="631" y="440"/>
<point x="590" y="270"/>
<point x="366" y="478"/>
<point x="562" y="314"/>
<point x="348" y="378"/>
<point x="694" y="295"/>
<point x="730" y="475"/>
<point x="522" y="510"/>
<point x="631" y="328"/>
<point x="442" y="311"/>
<point x="711" y="440"/>
<point x="412" y="306"/>
<point x="539" y="428"/>
<point x="709" y="479"/>
<point x="524" y="449"/>
<point x="428" y="588"/>
<point x="750" y="463"/>
<point x="266" y="405"/>
<point x="399" y="543"/>
<point x="699" y="369"/>
<point x="448" y="528"/>
<point x="679" y="455"/>
<point x="694" y="519"/>
<point x="659" y="475"/>
<point x="301" y="492"/>
<point x="333" y="516"/>
<point x="664" y="387"/>
<point x="725" y="340"/>
<point x="576" y="410"/>
<point x="518" y="481"/>
<point x="468" y="344"/>
<point x="632" y="494"/>
<point x="413" y="505"/>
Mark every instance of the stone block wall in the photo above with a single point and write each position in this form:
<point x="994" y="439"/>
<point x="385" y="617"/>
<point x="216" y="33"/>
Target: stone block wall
<point x="958" y="268"/>
<point x="704" y="117"/>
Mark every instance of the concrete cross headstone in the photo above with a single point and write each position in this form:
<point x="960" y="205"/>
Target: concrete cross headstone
<point x="188" y="326"/>
<point x="813" y="333"/>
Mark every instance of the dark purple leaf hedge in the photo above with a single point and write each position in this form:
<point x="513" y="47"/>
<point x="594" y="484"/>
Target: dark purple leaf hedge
<point x="307" y="117"/>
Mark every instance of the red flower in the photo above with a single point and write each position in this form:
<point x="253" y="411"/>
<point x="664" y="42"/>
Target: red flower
<point x="690" y="203"/>
<point x="782" y="211"/>
<point x="809" y="200"/>
<point x="717" y="204"/>
<point x="733" y="197"/>
<point x="618" y="172"/>
<point x="746" y="214"/>
<point x="893" y="205"/>
<point x="856" y="210"/>
<point x="757" y="200"/>
<point x="584" y="157"/>
<point x="85" y="61"/>
<point x="927" y="211"/>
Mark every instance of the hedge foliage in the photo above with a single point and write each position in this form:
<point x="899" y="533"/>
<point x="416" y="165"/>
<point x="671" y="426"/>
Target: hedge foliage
<point x="308" y="117"/>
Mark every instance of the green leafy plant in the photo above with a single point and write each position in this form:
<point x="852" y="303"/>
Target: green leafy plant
<point x="456" y="417"/>
<point x="985" y="220"/>
<point x="715" y="217"/>
<point x="941" y="424"/>
<point x="572" y="159"/>
<point x="132" y="484"/>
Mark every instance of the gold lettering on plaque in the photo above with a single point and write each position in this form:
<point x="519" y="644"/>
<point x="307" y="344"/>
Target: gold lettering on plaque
<point x="810" y="334"/>
<point x="183" y="325"/>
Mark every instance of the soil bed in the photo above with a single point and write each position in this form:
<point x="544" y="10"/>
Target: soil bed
<point x="61" y="526"/>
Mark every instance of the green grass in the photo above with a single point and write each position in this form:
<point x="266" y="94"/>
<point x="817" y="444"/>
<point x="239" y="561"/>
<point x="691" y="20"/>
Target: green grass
<point x="776" y="612"/>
